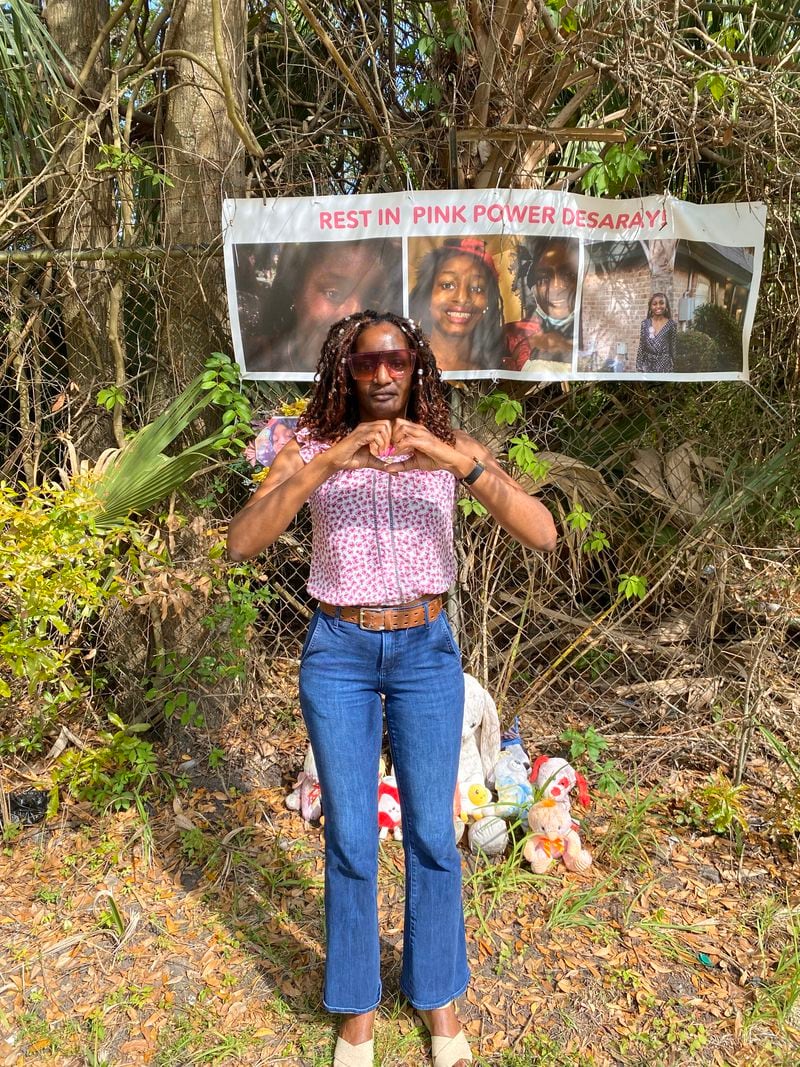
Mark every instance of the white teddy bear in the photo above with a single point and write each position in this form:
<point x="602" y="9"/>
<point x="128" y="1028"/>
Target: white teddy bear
<point x="480" y="734"/>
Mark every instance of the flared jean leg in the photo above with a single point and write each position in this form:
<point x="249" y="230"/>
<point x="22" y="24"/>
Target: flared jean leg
<point x="424" y="711"/>
<point x="343" y="672"/>
<point x="344" y="720"/>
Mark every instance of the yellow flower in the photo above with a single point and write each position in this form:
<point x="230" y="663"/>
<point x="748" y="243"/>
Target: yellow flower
<point x="294" y="407"/>
<point x="259" y="477"/>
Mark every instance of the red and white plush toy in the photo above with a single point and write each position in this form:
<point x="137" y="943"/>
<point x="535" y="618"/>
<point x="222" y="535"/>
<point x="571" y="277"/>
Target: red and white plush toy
<point x="554" y="779"/>
<point x="389" y="808"/>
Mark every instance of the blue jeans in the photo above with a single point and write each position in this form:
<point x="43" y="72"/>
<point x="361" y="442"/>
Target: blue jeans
<point x="343" y="672"/>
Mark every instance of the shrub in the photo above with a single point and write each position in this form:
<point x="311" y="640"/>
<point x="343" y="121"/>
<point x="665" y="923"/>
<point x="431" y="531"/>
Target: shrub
<point x="696" y="351"/>
<point x="56" y="572"/>
<point x="719" y="324"/>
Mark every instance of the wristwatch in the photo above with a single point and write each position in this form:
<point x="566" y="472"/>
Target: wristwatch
<point x="474" y="474"/>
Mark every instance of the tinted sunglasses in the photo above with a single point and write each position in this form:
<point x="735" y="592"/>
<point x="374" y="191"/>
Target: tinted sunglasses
<point x="398" y="362"/>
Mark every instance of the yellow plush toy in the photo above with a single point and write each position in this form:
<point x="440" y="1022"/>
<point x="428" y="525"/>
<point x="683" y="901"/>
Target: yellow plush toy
<point x="475" y="801"/>
<point x="554" y="836"/>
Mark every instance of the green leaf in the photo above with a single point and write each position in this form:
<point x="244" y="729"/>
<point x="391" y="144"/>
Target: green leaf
<point x="110" y="398"/>
<point x="579" y="518"/>
<point x="470" y="506"/>
<point x="632" y="585"/>
<point x="141" y="474"/>
<point x="597" y="541"/>
<point x="35" y="74"/>
<point x="506" y="410"/>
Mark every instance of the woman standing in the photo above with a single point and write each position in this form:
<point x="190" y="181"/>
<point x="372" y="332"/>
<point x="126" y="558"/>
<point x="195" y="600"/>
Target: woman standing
<point x="457" y="300"/>
<point x="378" y="462"/>
<point x="657" y="338"/>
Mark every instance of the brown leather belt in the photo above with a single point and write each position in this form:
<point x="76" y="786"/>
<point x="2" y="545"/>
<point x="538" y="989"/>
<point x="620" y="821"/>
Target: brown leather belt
<point x="401" y="617"/>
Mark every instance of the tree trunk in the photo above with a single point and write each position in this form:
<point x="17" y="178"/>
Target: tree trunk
<point x="85" y="216"/>
<point x="204" y="159"/>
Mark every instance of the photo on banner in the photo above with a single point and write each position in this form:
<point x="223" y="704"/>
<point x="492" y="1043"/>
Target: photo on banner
<point x="272" y="436"/>
<point x="523" y="284"/>
<point x="496" y="303"/>
<point x="288" y="295"/>
<point x="664" y="307"/>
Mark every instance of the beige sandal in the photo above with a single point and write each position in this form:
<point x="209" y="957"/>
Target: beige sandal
<point x="449" y="1050"/>
<point x="360" y="1055"/>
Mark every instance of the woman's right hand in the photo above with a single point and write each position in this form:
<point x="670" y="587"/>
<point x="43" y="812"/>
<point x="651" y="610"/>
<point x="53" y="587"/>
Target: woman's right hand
<point x="362" y="447"/>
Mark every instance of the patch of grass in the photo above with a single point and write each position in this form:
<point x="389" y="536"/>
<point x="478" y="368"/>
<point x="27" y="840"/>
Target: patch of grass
<point x="9" y="832"/>
<point x="395" y="1047"/>
<point x="505" y="956"/>
<point x="668" y="1037"/>
<point x="129" y="995"/>
<point x="718" y="806"/>
<point x="315" y="1045"/>
<point x="777" y="999"/>
<point x="629" y="836"/>
<point x="276" y="1005"/>
<point x="35" y="1034"/>
<point x="665" y="935"/>
<point x="34" y="1030"/>
<point x="634" y="986"/>
<point x="194" y="1037"/>
<point x="280" y="869"/>
<point x="489" y="884"/>
<point x="48" y="894"/>
<point x="143" y="833"/>
<point x="570" y="908"/>
<point x="198" y="847"/>
<point x="540" y="1050"/>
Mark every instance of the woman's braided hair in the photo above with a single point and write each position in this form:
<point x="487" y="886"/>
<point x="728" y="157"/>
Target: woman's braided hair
<point x="332" y="412"/>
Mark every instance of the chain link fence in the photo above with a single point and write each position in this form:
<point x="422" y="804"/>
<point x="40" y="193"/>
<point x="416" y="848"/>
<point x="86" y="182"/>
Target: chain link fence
<point x="669" y="613"/>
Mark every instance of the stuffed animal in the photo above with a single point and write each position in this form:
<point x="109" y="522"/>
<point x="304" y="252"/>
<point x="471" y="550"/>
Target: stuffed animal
<point x="480" y="735"/>
<point x="389" y="808"/>
<point x="489" y="835"/>
<point x="510" y="776"/>
<point x="511" y="746"/>
<point x="554" y="836"/>
<point x="514" y="790"/>
<point x="475" y="800"/>
<point x="555" y="778"/>
<point x="306" y="796"/>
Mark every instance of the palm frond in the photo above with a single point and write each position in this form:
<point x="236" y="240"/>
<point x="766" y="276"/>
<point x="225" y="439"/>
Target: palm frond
<point x="32" y="76"/>
<point x="141" y="474"/>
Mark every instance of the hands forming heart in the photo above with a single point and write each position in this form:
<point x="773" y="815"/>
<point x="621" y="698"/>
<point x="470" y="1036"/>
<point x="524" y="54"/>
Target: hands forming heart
<point x="392" y="455"/>
<point x="412" y="447"/>
<point x="394" y="447"/>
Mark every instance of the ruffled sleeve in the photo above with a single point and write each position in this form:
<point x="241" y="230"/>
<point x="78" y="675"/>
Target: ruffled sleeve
<point x="309" y="447"/>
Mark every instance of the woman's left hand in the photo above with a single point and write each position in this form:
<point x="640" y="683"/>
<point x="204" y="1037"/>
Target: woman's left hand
<point x="428" y="452"/>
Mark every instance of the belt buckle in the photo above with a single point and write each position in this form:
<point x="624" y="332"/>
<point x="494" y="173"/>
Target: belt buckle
<point x="363" y="626"/>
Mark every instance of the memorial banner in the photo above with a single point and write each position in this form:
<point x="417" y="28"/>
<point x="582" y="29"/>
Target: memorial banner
<point x="507" y="283"/>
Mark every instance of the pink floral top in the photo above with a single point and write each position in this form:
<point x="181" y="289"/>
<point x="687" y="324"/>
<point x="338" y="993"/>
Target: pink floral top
<point x="378" y="538"/>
